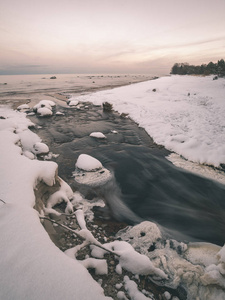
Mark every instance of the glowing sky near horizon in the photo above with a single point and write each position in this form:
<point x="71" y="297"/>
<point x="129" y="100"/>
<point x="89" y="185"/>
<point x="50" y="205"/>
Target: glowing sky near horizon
<point x="102" y="36"/>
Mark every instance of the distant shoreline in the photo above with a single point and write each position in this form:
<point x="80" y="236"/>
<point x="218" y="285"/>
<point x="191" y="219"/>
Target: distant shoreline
<point x="31" y="89"/>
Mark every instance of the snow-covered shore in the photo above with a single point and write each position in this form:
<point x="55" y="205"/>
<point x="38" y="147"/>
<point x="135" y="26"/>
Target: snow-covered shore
<point x="31" y="266"/>
<point x="183" y="113"/>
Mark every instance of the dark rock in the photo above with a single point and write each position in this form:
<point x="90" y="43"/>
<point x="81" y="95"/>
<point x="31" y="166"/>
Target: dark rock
<point x="107" y="107"/>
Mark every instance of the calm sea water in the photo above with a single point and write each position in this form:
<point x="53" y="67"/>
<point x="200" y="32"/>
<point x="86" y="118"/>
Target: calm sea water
<point x="68" y="83"/>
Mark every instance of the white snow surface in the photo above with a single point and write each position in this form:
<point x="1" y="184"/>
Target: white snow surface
<point x="44" y="103"/>
<point x="88" y="163"/>
<point x="185" y="114"/>
<point x="32" y="267"/>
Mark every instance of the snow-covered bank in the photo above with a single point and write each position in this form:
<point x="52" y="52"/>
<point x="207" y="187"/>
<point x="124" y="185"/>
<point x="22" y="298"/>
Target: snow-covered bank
<point x="196" y="269"/>
<point x="183" y="113"/>
<point x="31" y="266"/>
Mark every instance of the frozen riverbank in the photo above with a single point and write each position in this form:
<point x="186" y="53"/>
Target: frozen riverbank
<point x="192" y="270"/>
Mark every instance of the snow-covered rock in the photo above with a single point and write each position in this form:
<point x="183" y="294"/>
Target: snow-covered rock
<point x="44" y="111"/>
<point x="88" y="163"/>
<point x="73" y="103"/>
<point x="197" y="267"/>
<point x="98" y="135"/>
<point x="58" y="113"/>
<point x="89" y="171"/>
<point x="44" y="103"/>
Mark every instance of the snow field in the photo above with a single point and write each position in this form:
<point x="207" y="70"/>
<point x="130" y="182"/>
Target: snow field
<point x="185" y="113"/>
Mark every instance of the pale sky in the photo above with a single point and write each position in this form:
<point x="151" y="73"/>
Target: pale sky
<point x="109" y="36"/>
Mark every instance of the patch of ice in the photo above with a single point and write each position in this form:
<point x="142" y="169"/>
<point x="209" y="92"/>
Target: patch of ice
<point x="196" y="168"/>
<point x="97" y="178"/>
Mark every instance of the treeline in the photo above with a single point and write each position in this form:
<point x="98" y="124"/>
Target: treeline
<point x="204" y="69"/>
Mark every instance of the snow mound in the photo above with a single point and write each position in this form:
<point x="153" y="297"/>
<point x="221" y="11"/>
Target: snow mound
<point x="44" y="108"/>
<point x="44" y="103"/>
<point x="89" y="171"/>
<point x="44" y="111"/>
<point x="129" y="259"/>
<point x="40" y="148"/>
<point x="88" y="163"/>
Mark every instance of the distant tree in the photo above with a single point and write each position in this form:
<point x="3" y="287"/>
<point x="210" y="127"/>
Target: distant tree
<point x="221" y="68"/>
<point x="211" y="68"/>
<point x="205" y="69"/>
<point x="175" y="69"/>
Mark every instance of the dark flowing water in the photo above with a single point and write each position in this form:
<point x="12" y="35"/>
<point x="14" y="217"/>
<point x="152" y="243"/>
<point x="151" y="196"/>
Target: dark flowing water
<point x="146" y="186"/>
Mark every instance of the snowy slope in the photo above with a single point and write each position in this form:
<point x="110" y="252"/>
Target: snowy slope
<point x="31" y="266"/>
<point x="183" y="113"/>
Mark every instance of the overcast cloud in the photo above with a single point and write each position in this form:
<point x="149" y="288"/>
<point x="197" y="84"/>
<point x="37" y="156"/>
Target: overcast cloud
<point x="102" y="36"/>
